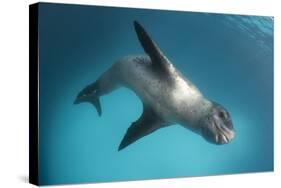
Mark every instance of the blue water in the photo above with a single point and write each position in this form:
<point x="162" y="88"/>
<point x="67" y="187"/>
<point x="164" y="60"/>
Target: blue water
<point x="228" y="57"/>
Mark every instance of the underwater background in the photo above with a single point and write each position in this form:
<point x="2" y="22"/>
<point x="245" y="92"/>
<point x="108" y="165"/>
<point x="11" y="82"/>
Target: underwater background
<point x="228" y="57"/>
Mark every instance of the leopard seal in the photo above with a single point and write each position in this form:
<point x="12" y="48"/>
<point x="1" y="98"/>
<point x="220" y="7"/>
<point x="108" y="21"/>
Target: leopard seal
<point x="167" y="96"/>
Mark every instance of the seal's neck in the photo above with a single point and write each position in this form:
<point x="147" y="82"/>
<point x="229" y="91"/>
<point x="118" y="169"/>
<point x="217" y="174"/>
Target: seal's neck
<point x="205" y="108"/>
<point x="199" y="112"/>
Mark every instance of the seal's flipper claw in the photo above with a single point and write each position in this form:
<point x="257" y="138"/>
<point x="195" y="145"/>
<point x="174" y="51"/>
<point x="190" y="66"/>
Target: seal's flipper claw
<point x="146" y="124"/>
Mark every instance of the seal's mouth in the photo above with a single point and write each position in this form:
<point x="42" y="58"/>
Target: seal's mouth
<point x="218" y="133"/>
<point x="224" y="134"/>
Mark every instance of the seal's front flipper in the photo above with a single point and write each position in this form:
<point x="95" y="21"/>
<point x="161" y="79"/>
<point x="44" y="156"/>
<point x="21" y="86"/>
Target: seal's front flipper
<point x="146" y="124"/>
<point x="90" y="94"/>
<point x="159" y="61"/>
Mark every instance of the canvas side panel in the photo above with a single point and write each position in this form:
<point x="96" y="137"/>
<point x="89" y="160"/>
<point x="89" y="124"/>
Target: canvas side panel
<point x="33" y="94"/>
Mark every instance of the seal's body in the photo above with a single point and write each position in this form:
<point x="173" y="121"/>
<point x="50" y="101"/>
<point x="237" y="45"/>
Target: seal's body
<point x="171" y="96"/>
<point x="168" y="97"/>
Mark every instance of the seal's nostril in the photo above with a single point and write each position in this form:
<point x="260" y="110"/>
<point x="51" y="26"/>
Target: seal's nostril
<point x="229" y="125"/>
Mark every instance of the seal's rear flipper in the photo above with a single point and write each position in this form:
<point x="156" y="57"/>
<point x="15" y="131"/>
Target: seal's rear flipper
<point x="90" y="94"/>
<point x="96" y="102"/>
<point x="146" y="124"/>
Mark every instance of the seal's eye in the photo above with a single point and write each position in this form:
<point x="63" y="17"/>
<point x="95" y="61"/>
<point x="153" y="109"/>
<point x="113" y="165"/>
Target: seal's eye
<point x="221" y="114"/>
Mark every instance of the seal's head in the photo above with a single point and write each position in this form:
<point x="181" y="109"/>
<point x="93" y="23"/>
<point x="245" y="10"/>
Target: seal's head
<point x="216" y="126"/>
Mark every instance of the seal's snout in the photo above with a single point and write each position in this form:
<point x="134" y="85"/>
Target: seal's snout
<point x="224" y="130"/>
<point x="218" y="134"/>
